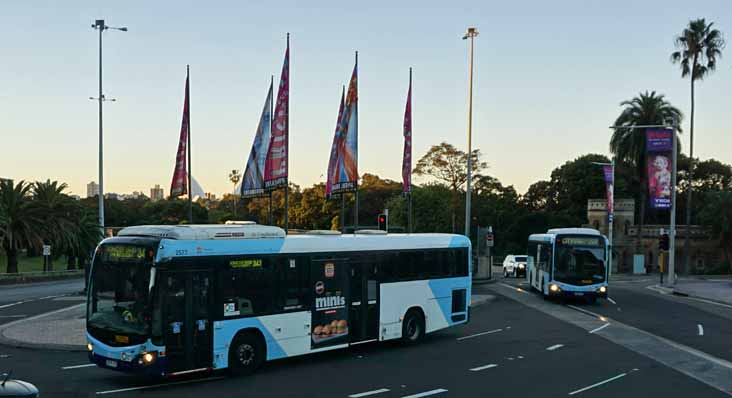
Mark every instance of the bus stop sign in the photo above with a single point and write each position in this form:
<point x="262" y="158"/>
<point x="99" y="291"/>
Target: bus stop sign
<point x="489" y="240"/>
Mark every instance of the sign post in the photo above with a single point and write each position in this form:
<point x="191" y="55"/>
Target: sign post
<point x="46" y="258"/>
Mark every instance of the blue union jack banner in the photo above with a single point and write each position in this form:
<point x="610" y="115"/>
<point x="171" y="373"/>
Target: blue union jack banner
<point x="253" y="181"/>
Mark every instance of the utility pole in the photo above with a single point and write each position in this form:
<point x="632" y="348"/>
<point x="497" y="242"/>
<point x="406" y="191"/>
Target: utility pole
<point x="471" y="34"/>
<point x="101" y="27"/>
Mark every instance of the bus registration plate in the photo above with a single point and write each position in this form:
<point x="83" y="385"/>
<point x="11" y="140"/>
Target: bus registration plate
<point x="579" y="293"/>
<point x="111" y="363"/>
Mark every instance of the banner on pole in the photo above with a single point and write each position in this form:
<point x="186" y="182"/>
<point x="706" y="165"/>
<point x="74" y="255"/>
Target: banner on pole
<point x="659" y="147"/>
<point x="276" y="164"/>
<point x="253" y="181"/>
<point x="345" y="171"/>
<point x="609" y="183"/>
<point x="179" y="185"/>
<point x="407" y="155"/>
<point x="333" y="159"/>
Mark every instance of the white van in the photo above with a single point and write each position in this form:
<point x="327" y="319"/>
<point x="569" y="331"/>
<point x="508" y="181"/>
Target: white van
<point x="514" y="265"/>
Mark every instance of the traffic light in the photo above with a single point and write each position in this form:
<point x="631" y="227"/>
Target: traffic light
<point x="663" y="242"/>
<point x="382" y="222"/>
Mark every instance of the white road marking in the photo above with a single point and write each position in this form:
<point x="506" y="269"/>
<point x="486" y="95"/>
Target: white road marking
<point x="426" y="393"/>
<point x="612" y="301"/>
<point x="86" y="365"/>
<point x="598" y="384"/>
<point x="554" y="347"/>
<point x="479" y="368"/>
<point x="513" y="287"/>
<point x="367" y="393"/>
<point x="588" y="312"/>
<point x="13" y="316"/>
<point x="701" y="329"/>
<point x="159" y="385"/>
<point x="600" y="328"/>
<point x="479" y="334"/>
<point x="11" y="304"/>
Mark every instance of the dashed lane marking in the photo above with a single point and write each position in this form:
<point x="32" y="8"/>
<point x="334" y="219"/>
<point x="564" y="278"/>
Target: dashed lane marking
<point x="369" y="393"/>
<point x="598" y="384"/>
<point x="612" y="301"/>
<point x="555" y="347"/>
<point x="484" y="367"/>
<point x="426" y="393"/>
<point x="600" y="328"/>
<point x="701" y="329"/>
<point x="479" y="334"/>
<point x="86" y="365"/>
<point x="158" y="385"/>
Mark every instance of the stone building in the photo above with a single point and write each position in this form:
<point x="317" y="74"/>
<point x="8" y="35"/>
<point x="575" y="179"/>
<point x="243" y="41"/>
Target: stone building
<point x="705" y="252"/>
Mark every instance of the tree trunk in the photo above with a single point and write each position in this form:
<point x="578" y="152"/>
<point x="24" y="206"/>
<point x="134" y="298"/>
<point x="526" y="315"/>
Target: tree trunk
<point x="12" y="260"/>
<point x="70" y="262"/>
<point x="687" y="238"/>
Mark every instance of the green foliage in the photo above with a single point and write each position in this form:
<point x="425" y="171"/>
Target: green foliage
<point x="699" y="45"/>
<point x="717" y="213"/>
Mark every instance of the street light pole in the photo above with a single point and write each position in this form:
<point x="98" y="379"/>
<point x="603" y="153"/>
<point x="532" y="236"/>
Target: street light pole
<point x="101" y="27"/>
<point x="471" y="34"/>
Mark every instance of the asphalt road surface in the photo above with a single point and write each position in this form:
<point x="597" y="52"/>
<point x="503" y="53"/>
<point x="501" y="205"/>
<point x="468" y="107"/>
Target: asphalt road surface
<point x="26" y="300"/>
<point x="508" y="349"/>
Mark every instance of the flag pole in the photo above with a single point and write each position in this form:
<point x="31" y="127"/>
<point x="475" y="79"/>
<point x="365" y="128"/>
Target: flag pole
<point x="355" y="212"/>
<point x="287" y="144"/>
<point x="271" y="120"/>
<point x="343" y="212"/>
<point x="188" y="147"/>
<point x="411" y="124"/>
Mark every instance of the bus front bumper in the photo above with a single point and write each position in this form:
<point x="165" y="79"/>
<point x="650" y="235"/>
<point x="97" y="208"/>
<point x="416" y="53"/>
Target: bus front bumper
<point x="566" y="292"/>
<point x="156" y="368"/>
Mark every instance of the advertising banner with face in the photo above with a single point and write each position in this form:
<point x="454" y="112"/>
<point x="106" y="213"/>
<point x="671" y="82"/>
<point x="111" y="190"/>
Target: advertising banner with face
<point x="659" y="146"/>
<point x="330" y="281"/>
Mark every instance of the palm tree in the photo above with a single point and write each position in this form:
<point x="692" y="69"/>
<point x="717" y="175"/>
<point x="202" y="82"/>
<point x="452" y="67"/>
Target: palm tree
<point x="698" y="46"/>
<point x="22" y="222"/>
<point x="59" y="225"/>
<point x="628" y="144"/>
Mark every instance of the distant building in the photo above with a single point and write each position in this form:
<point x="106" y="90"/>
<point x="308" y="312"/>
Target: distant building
<point x="130" y="196"/>
<point x="210" y="196"/>
<point x="75" y="197"/>
<point x="92" y="189"/>
<point x="111" y="195"/>
<point x="157" y="193"/>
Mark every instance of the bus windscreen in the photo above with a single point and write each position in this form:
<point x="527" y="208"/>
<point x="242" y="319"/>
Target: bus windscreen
<point x="580" y="260"/>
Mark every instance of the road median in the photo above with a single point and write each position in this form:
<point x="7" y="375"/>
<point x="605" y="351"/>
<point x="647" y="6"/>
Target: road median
<point x="32" y="277"/>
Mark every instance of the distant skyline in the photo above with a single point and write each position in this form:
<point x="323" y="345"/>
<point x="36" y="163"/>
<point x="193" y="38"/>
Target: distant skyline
<point x="549" y="78"/>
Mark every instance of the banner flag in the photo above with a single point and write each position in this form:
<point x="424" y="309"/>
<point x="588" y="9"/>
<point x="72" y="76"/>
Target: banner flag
<point x="276" y="165"/>
<point x="659" y="147"/>
<point x="345" y="173"/>
<point x="253" y="180"/>
<point x="332" y="160"/>
<point x="179" y="185"/>
<point x="608" y="170"/>
<point x="407" y="156"/>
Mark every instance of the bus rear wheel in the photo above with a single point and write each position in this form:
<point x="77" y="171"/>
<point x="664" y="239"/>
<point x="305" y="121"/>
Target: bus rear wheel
<point x="413" y="327"/>
<point x="246" y="354"/>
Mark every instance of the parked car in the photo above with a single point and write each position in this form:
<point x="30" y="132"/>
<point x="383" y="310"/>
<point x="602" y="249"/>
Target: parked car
<point x="514" y="265"/>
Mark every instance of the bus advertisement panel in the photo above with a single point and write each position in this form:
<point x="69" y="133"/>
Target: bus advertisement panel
<point x="330" y="315"/>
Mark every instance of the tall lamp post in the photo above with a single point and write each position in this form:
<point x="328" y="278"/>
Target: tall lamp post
<point x="611" y="212"/>
<point x="471" y="34"/>
<point x="101" y="27"/>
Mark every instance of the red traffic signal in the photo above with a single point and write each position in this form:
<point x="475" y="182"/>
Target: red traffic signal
<point x="382" y="222"/>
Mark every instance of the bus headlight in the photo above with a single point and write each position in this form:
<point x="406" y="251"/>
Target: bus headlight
<point x="521" y="266"/>
<point x="554" y="288"/>
<point x="147" y="358"/>
<point x="89" y="347"/>
<point x="603" y="289"/>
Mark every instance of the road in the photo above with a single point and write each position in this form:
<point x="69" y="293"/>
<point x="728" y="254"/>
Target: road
<point x="514" y="345"/>
<point x="26" y="300"/>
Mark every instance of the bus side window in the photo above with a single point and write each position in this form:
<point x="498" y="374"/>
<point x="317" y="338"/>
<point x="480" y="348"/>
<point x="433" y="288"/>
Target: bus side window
<point x="250" y="287"/>
<point x="461" y="260"/>
<point x="292" y="276"/>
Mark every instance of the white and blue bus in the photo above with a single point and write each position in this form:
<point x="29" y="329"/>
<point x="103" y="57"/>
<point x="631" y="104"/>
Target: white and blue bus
<point x="168" y="300"/>
<point x="568" y="262"/>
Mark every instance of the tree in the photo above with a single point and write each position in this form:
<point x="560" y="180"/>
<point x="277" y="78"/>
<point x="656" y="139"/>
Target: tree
<point x="717" y="213"/>
<point x="235" y="177"/>
<point x="431" y="210"/>
<point x="22" y="221"/>
<point x="628" y="144"/>
<point x="449" y="165"/>
<point x="59" y="227"/>
<point x="698" y="47"/>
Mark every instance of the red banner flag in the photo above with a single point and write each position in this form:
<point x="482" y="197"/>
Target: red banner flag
<point x="407" y="157"/>
<point x="276" y="167"/>
<point x="179" y="185"/>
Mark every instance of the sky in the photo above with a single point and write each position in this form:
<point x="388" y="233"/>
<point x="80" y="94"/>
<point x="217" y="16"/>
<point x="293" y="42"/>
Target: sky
<point x="549" y="77"/>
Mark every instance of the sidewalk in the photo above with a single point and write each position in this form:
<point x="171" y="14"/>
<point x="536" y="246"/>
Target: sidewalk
<point x="719" y="290"/>
<point x="65" y="329"/>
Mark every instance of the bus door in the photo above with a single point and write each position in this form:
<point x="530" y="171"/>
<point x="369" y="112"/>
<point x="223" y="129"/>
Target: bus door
<point x="364" y="301"/>
<point x="187" y="305"/>
<point x="330" y="320"/>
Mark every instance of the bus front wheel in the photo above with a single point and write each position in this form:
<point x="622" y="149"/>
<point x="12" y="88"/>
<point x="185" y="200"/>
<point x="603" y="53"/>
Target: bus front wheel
<point x="413" y="327"/>
<point x="246" y="354"/>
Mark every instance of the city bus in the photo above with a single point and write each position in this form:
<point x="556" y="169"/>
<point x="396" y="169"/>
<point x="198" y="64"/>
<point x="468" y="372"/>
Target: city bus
<point x="568" y="262"/>
<point x="169" y="300"/>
